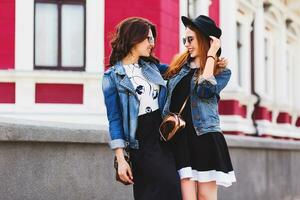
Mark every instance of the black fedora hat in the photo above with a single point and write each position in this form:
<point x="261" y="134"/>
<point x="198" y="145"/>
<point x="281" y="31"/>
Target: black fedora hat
<point x="205" y="25"/>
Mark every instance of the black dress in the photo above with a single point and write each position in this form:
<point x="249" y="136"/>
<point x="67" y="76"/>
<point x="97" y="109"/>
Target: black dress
<point x="154" y="173"/>
<point x="202" y="158"/>
<point x="153" y="166"/>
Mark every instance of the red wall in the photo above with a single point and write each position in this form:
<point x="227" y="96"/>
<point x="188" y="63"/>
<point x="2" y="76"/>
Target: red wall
<point x="232" y="107"/>
<point x="7" y="93"/>
<point x="59" y="93"/>
<point x="7" y="34"/>
<point x="284" y="118"/>
<point x="214" y="11"/>
<point x="163" y="13"/>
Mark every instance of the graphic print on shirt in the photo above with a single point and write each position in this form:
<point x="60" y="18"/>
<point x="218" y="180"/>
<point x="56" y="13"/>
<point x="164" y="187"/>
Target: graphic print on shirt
<point x="147" y="92"/>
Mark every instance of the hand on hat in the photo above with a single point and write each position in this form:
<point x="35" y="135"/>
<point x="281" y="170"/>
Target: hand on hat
<point x="215" y="45"/>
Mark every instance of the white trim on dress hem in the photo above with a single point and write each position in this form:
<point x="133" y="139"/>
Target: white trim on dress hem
<point x="221" y="178"/>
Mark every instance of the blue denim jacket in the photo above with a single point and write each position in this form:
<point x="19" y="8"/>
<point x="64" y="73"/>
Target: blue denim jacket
<point x="122" y="104"/>
<point x="204" y="99"/>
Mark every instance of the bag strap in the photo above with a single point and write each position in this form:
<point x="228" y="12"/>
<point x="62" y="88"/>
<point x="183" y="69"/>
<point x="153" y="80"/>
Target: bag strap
<point x="183" y="105"/>
<point x="185" y="101"/>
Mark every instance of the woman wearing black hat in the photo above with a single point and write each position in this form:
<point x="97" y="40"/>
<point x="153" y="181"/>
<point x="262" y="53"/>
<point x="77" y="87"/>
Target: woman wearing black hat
<point x="200" y="149"/>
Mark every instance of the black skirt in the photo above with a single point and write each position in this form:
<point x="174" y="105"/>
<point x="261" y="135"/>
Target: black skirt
<point x="201" y="158"/>
<point x="154" y="171"/>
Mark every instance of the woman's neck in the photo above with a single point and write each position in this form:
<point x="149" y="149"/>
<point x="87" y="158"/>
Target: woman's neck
<point x="130" y="59"/>
<point x="197" y="61"/>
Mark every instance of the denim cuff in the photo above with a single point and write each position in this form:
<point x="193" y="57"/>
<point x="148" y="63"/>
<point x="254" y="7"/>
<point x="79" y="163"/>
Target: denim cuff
<point x="211" y="79"/>
<point x="117" y="143"/>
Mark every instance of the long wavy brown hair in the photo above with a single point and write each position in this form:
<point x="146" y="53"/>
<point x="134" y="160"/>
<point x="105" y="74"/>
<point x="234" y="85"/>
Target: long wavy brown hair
<point x="130" y="32"/>
<point x="179" y="60"/>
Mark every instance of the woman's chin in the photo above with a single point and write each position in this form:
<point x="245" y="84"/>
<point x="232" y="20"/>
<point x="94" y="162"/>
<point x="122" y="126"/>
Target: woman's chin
<point x="146" y="55"/>
<point x="193" y="55"/>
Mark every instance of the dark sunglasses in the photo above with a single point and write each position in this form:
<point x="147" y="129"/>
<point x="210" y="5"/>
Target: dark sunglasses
<point x="151" y="39"/>
<point x="188" y="39"/>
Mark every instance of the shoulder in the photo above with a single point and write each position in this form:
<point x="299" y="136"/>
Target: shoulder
<point x="150" y="64"/>
<point x="109" y="71"/>
<point x="108" y="79"/>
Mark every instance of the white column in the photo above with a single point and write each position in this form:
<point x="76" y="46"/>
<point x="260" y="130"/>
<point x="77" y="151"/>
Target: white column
<point x="95" y="35"/>
<point x="93" y="97"/>
<point x="296" y="80"/>
<point x="259" y="50"/>
<point x="246" y="62"/>
<point x="25" y="94"/>
<point x="280" y="67"/>
<point x="228" y="39"/>
<point x="183" y="11"/>
<point x="24" y="35"/>
<point x="202" y="7"/>
<point x="24" y="32"/>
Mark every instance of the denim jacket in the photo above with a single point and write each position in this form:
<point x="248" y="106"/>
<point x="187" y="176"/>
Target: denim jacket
<point x="122" y="103"/>
<point x="204" y="99"/>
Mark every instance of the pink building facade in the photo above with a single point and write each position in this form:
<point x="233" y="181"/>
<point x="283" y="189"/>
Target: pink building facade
<point x="53" y="54"/>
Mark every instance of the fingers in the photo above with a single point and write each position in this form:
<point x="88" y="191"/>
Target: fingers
<point x="215" y="45"/>
<point x="213" y="38"/>
<point x="125" y="173"/>
<point x="222" y="62"/>
<point x="130" y="174"/>
<point x="126" y="176"/>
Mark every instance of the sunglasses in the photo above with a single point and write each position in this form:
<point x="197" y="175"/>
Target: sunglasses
<point x="188" y="39"/>
<point x="151" y="39"/>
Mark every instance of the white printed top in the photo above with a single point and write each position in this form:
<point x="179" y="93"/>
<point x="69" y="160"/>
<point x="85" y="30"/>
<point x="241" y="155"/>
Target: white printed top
<point x="146" y="91"/>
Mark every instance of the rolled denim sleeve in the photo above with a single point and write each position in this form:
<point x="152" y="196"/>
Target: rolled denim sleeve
<point x="208" y="87"/>
<point x="114" y="114"/>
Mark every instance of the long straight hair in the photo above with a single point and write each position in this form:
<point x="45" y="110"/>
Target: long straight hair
<point x="178" y="61"/>
<point x="130" y="32"/>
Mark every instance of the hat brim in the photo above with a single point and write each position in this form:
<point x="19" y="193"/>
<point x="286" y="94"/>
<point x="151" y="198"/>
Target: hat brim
<point x="188" y="22"/>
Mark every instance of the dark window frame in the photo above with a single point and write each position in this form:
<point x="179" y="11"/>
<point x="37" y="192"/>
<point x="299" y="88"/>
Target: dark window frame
<point x="59" y="66"/>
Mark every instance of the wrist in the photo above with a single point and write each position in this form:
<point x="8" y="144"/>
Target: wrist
<point x="119" y="153"/>
<point x="120" y="158"/>
<point x="211" y="54"/>
<point x="210" y="57"/>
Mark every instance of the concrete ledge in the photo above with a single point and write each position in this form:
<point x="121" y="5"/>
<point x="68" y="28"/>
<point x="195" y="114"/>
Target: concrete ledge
<point x="73" y="133"/>
<point x="261" y="143"/>
<point x="41" y="160"/>
<point x="14" y="132"/>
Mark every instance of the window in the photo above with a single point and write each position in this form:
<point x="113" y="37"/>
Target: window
<point x="59" y="35"/>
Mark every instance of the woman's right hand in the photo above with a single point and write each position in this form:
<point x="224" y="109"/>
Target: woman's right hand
<point x="215" y="45"/>
<point x="124" y="170"/>
<point x="222" y="62"/>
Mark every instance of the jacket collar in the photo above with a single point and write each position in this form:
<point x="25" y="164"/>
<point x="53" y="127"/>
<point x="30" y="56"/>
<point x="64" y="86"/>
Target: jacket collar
<point x="150" y="73"/>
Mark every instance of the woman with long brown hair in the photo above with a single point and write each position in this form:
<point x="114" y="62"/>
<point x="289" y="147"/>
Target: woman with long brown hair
<point x="201" y="153"/>
<point x="135" y="93"/>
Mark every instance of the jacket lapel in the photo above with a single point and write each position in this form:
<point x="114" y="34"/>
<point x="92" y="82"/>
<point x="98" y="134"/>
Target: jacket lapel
<point x="152" y="74"/>
<point x="125" y="81"/>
